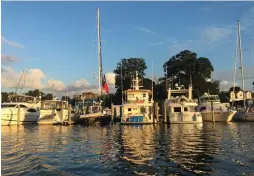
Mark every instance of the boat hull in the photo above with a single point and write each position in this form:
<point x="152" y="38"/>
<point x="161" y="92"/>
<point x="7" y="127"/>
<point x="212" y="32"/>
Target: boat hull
<point x="185" y="117"/>
<point x="11" y="118"/>
<point x="218" y="116"/>
<point x="52" y="117"/>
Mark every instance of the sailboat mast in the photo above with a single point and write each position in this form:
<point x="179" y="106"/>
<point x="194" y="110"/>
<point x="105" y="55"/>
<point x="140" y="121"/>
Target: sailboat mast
<point x="236" y="53"/>
<point x="152" y="80"/>
<point x="99" y="53"/>
<point x="241" y="62"/>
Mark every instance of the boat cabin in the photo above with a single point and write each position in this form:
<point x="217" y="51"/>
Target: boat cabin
<point x="138" y="105"/>
<point x="206" y="98"/>
<point x="54" y="104"/>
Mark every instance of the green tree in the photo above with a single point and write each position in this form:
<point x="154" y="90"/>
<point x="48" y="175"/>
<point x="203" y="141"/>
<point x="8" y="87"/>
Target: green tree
<point x="48" y="96"/>
<point x="4" y="96"/>
<point x="186" y="67"/>
<point x="129" y="68"/>
<point x="35" y="93"/>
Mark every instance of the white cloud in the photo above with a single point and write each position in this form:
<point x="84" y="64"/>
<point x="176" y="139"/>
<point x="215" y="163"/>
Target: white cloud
<point x="110" y="78"/>
<point x="34" y="79"/>
<point x="155" y="43"/>
<point x="228" y="76"/>
<point x="146" y="30"/>
<point x="226" y="85"/>
<point x="215" y="34"/>
<point x="8" y="59"/>
<point x="10" y="78"/>
<point x="11" y="43"/>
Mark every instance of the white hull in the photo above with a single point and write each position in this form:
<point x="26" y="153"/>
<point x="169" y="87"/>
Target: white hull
<point x="185" y="117"/>
<point x="9" y="117"/>
<point x="52" y="117"/>
<point x="218" y="116"/>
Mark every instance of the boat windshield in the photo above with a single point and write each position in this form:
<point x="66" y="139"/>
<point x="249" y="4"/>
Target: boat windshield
<point x="210" y="98"/>
<point x="8" y="105"/>
<point x="11" y="106"/>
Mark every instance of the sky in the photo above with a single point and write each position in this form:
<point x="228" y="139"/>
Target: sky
<point x="56" y="41"/>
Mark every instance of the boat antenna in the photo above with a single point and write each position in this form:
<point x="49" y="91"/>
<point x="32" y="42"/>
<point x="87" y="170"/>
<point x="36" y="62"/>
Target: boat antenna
<point x="241" y="62"/>
<point x="122" y="79"/>
<point x="152" y="80"/>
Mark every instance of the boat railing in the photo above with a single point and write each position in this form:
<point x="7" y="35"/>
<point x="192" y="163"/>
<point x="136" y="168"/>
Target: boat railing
<point x="138" y="102"/>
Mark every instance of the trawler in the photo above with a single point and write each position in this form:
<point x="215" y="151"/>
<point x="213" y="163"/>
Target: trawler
<point x="213" y="110"/>
<point x="181" y="109"/>
<point x="138" y="107"/>
<point x="54" y="112"/>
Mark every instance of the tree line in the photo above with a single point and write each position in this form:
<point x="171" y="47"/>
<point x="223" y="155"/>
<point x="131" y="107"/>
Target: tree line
<point x="184" y="68"/>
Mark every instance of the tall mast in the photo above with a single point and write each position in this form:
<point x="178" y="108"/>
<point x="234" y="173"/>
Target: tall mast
<point x="152" y="80"/>
<point x="241" y="62"/>
<point x="99" y="53"/>
<point x="236" y="53"/>
<point x="122" y="79"/>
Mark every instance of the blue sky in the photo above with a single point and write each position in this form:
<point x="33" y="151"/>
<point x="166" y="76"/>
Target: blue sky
<point x="59" y="37"/>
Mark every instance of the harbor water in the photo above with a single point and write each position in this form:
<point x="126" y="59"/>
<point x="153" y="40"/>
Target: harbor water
<point x="178" y="149"/>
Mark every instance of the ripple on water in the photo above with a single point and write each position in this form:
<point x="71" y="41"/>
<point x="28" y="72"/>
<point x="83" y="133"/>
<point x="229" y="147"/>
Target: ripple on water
<point x="181" y="149"/>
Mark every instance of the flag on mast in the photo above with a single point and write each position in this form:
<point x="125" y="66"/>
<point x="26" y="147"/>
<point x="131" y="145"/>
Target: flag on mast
<point x="105" y="85"/>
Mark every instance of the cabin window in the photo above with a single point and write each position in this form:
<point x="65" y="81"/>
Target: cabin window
<point x="129" y="109"/>
<point x="131" y="95"/>
<point x="22" y="106"/>
<point x="142" y="110"/>
<point x="135" y="109"/>
<point x="144" y="95"/>
<point x="31" y="110"/>
<point x="177" y="109"/>
<point x="185" y="109"/>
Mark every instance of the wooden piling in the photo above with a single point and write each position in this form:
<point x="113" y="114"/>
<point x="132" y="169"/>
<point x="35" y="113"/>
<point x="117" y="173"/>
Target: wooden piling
<point x="157" y="112"/>
<point x="69" y="113"/>
<point x="112" y="112"/>
<point x="165" y="112"/>
<point x="212" y="112"/>
<point x="18" y="120"/>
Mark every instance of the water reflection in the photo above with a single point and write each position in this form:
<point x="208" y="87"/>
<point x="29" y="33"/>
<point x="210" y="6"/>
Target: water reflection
<point x="178" y="149"/>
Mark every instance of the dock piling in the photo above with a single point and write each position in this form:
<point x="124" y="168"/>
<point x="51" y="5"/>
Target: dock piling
<point x="112" y="112"/>
<point x="165" y="113"/>
<point x="157" y="112"/>
<point x="18" y="115"/>
<point x="69" y="113"/>
<point x="212" y="112"/>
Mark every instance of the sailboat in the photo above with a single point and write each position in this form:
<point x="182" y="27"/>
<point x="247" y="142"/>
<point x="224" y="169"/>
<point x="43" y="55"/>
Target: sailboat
<point x="93" y="110"/>
<point x="247" y="114"/>
<point x="20" y="109"/>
